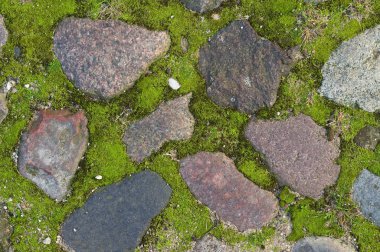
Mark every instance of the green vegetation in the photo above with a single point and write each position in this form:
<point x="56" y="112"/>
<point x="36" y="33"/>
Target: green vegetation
<point x="318" y="29"/>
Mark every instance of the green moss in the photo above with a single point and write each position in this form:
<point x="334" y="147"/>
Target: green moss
<point x="31" y="26"/>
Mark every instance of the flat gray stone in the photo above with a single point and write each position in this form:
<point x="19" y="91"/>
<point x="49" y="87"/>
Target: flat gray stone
<point x="202" y="6"/>
<point x="366" y="192"/>
<point x="115" y="217"/>
<point x="51" y="148"/>
<point x="3" y="106"/>
<point x="3" y="32"/>
<point x="351" y="76"/>
<point x="209" y="243"/>
<point x="171" y="121"/>
<point x="368" y="137"/>
<point x="297" y="152"/>
<point x="105" y="57"/>
<point x="215" y="181"/>
<point x="321" y="244"/>
<point x="242" y="70"/>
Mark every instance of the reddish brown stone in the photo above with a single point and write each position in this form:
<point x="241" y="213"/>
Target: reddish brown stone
<point x="215" y="181"/>
<point x="105" y="57"/>
<point x="51" y="149"/>
<point x="297" y="152"/>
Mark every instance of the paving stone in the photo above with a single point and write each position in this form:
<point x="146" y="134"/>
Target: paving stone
<point x="5" y="230"/>
<point x="242" y="70"/>
<point x="3" y="107"/>
<point x="368" y="137"/>
<point x="215" y="181"/>
<point x="351" y="76"/>
<point x="50" y="150"/>
<point x="297" y="152"/>
<point x="3" y="32"/>
<point x="210" y="244"/>
<point x="366" y="192"/>
<point x="202" y="6"/>
<point x="105" y="57"/>
<point x="321" y="244"/>
<point x="115" y="217"/>
<point x="171" y="121"/>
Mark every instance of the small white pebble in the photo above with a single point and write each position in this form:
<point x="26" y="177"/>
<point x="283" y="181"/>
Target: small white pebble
<point x="278" y="113"/>
<point x="241" y="27"/>
<point x="98" y="177"/>
<point x="5" y="207"/>
<point x="172" y="16"/>
<point x="47" y="241"/>
<point x="174" y="84"/>
<point x="74" y="230"/>
<point x="215" y="16"/>
<point x="27" y="86"/>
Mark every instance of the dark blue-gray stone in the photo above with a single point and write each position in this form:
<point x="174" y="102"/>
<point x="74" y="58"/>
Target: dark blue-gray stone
<point x="366" y="193"/>
<point x="116" y="217"/>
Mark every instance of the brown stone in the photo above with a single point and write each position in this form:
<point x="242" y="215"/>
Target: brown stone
<point x="5" y="230"/>
<point x="3" y="107"/>
<point x="3" y="32"/>
<point x="51" y="149"/>
<point x="171" y="121"/>
<point x="242" y="70"/>
<point x="105" y="57"/>
<point x="297" y="152"/>
<point x="215" y="181"/>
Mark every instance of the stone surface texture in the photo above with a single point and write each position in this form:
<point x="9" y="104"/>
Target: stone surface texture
<point x="242" y="70"/>
<point x="105" y="57"/>
<point x="368" y="137"/>
<point x="115" y="217"/>
<point x="171" y="121"/>
<point x="209" y="243"/>
<point x="202" y="6"/>
<point x="5" y="230"/>
<point x="366" y="192"/>
<point x="215" y="181"/>
<point x="3" y="32"/>
<point x="297" y="152"/>
<point x="3" y="106"/>
<point x="351" y="76"/>
<point x="50" y="150"/>
<point x="321" y="244"/>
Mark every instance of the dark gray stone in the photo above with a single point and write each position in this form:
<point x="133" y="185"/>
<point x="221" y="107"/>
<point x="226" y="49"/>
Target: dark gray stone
<point x="202" y="6"/>
<point x="366" y="192"/>
<point x="5" y="230"/>
<point x="242" y="70"/>
<point x="51" y="149"/>
<point x="215" y="181"/>
<point x="298" y="153"/>
<point x="3" y="106"/>
<point x="115" y="217"/>
<point x="321" y="244"/>
<point x="3" y="32"/>
<point x="351" y="76"/>
<point x="171" y="121"/>
<point x="368" y="137"/>
<point x="105" y="57"/>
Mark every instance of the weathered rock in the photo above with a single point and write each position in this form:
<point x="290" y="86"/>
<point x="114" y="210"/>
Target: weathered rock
<point x="321" y="244"/>
<point x="116" y="217"/>
<point x="209" y="243"/>
<point x="51" y="149"/>
<point x="171" y="121"/>
<point x="105" y="57"/>
<point x="368" y="137"/>
<point x="3" y="107"/>
<point x="241" y="69"/>
<point x="297" y="152"/>
<point x="5" y="230"/>
<point x="351" y="76"/>
<point x="202" y="6"/>
<point x="215" y="181"/>
<point x="3" y="32"/>
<point x="366" y="192"/>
